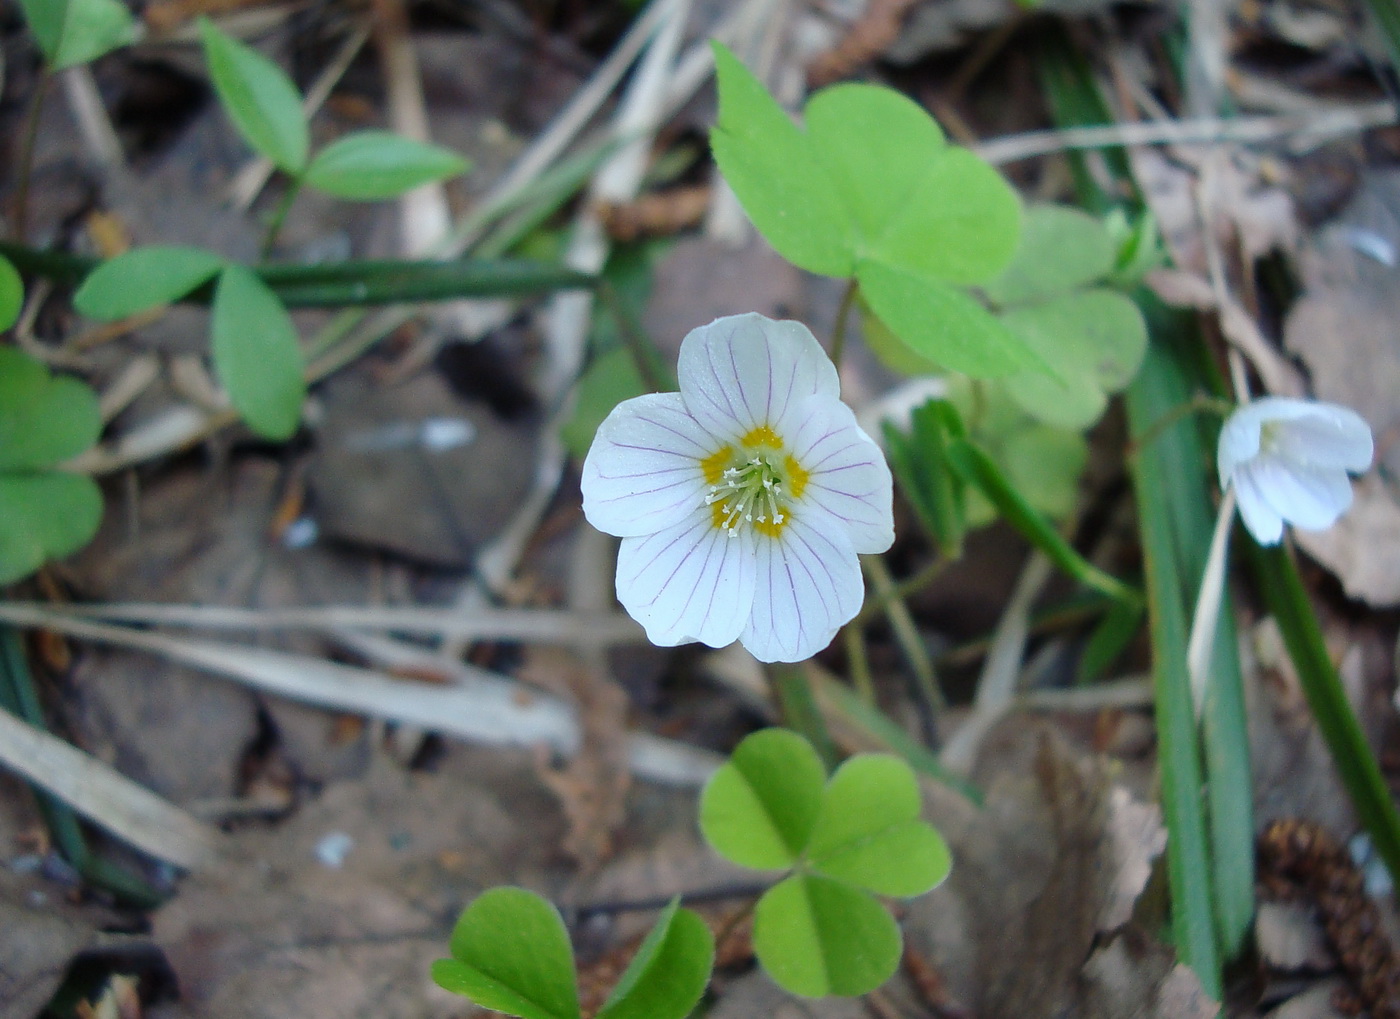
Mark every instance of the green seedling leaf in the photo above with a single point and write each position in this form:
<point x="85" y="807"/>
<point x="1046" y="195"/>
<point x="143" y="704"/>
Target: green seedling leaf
<point x="1061" y="249"/>
<point x="1095" y="340"/>
<point x="816" y="936"/>
<point x="667" y="976"/>
<point x="371" y="165"/>
<point x="44" y="419"/>
<point x="259" y="98"/>
<point x="960" y="225"/>
<point x="869" y="832"/>
<point x="919" y="460"/>
<point x="511" y="952"/>
<point x="11" y="294"/>
<point x="759" y="808"/>
<point x="144" y="278"/>
<point x="864" y="135"/>
<point x="943" y="324"/>
<point x="771" y="166"/>
<point x="608" y="381"/>
<point x="71" y="32"/>
<point x="256" y="354"/>
<point x="1044" y="464"/>
<point x="44" y="516"/>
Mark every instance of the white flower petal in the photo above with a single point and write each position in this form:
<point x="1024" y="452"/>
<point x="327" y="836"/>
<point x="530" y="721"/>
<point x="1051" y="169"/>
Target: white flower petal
<point x="1308" y="497"/>
<point x="745" y="371"/>
<point x="643" y="470"/>
<point x="1333" y="436"/>
<point x="849" y="484"/>
<point x="1239" y="440"/>
<point x="1261" y="519"/>
<point x="808" y="585"/>
<point x="688" y="582"/>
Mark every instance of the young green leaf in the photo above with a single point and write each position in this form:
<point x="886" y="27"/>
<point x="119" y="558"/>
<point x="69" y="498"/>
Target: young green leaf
<point x="758" y="809"/>
<point x="816" y="936"/>
<point x="771" y="166"/>
<point x="11" y="294"/>
<point x="44" y="516"/>
<point x="370" y="165"/>
<point x="1061" y="249"/>
<point x="869" y="832"/>
<point x="960" y="225"/>
<point x="44" y="419"/>
<point x="144" y="278"/>
<point x="863" y="134"/>
<point x="1044" y="464"/>
<point x="667" y="976"/>
<point x="256" y="353"/>
<point x="72" y="32"/>
<point x="1094" y="340"/>
<point x="942" y="323"/>
<point x="511" y="952"/>
<point x="259" y="98"/>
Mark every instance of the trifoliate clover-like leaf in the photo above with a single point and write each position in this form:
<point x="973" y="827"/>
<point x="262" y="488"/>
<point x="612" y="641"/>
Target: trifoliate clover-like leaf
<point x="759" y="808"/>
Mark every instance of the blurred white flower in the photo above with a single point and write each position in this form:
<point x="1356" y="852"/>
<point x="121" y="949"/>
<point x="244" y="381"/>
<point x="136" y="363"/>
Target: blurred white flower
<point x="743" y="500"/>
<point x="1288" y="461"/>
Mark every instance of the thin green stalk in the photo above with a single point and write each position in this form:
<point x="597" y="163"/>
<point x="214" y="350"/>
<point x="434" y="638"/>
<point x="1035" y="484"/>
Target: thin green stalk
<point x="875" y="602"/>
<point x="279" y="216"/>
<point x="643" y="353"/>
<point x="843" y="314"/>
<point x="1277" y="578"/>
<point x="858" y="662"/>
<point x="910" y="641"/>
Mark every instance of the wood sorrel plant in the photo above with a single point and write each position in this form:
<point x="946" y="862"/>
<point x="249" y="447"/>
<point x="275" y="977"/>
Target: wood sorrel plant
<point x="818" y="931"/>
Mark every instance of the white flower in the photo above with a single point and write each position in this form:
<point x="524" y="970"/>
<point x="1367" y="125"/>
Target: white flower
<point x="743" y="500"/>
<point x="1288" y="461"/>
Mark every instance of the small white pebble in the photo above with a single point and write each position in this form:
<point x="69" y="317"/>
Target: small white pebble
<point x="301" y="533"/>
<point x="333" y="848"/>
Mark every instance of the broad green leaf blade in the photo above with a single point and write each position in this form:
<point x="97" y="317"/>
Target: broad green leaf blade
<point x="44" y="516"/>
<point x="608" y="381"/>
<point x="942" y="323"/>
<point x="1094" y="340"/>
<point x="370" y="165"/>
<point x="256" y="354"/>
<point x="771" y="166"/>
<point x="877" y="146"/>
<point x="960" y="225"/>
<point x="511" y="953"/>
<point x="816" y="936"/>
<point x="11" y="294"/>
<point x="758" y="809"/>
<point x="869" y="832"/>
<point x="259" y="98"/>
<point x="667" y="976"/>
<point x="71" y="32"/>
<point x="1061" y="249"/>
<point x="144" y="278"/>
<point x="978" y="469"/>
<point x="44" y="419"/>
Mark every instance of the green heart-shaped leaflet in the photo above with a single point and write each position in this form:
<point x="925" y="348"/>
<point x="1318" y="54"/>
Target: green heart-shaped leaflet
<point x="869" y="833"/>
<point x="44" y="516"/>
<point x="44" y="419"/>
<point x="511" y="953"/>
<point x="759" y="808"/>
<point x="258" y="97"/>
<point x="667" y="976"/>
<point x="1061" y="249"/>
<point x="817" y="936"/>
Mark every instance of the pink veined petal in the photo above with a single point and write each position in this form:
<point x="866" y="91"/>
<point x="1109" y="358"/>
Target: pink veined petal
<point x="849" y="486"/>
<point x="690" y="581"/>
<point x="1335" y="436"/>
<point x="808" y="585"/>
<point x="1261" y="519"/>
<point x="744" y="371"/>
<point x="1308" y="497"/>
<point x="643" y="470"/>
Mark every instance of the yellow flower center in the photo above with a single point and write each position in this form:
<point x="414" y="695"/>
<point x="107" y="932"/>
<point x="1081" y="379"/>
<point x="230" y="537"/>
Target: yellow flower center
<point x="753" y="483"/>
